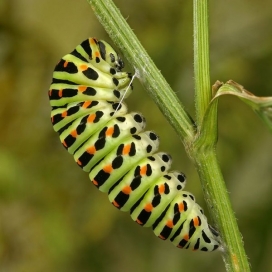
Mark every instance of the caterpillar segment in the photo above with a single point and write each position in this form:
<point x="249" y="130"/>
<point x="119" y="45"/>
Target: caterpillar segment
<point x="111" y="145"/>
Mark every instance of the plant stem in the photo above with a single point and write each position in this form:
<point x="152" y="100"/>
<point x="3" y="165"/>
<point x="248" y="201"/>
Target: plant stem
<point x="201" y="59"/>
<point x="150" y="77"/>
<point x="203" y="149"/>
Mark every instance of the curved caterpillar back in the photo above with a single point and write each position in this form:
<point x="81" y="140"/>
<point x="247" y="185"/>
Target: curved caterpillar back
<point x="112" y="146"/>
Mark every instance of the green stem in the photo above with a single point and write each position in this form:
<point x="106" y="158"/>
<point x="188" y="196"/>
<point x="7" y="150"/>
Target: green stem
<point x="203" y="149"/>
<point x="201" y="59"/>
<point x="150" y="77"/>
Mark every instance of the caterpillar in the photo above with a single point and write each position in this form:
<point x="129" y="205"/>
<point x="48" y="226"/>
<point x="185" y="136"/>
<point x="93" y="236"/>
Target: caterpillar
<point x="111" y="145"/>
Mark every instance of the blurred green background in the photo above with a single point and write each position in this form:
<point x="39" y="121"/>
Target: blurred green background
<point x="51" y="217"/>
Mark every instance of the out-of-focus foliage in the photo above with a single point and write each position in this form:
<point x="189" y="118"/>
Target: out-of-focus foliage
<point x="51" y="217"/>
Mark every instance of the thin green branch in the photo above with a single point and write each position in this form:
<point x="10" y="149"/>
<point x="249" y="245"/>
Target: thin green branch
<point x="201" y="59"/>
<point x="203" y="149"/>
<point x="150" y="77"/>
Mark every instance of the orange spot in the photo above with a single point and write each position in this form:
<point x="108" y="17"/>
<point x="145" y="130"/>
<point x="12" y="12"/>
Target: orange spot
<point x="65" y="64"/>
<point x="50" y="92"/>
<point x="170" y="224"/>
<point x="92" y="40"/>
<point x="74" y="133"/>
<point x="64" y="114"/>
<point x="148" y="207"/>
<point x="179" y="246"/>
<point x="60" y="93"/>
<point x="161" y="189"/>
<point x="97" y="54"/>
<point x="79" y="162"/>
<point x="86" y="104"/>
<point x="83" y="67"/>
<point x="110" y="131"/>
<point x="108" y="168"/>
<point x="64" y="144"/>
<point x="115" y="204"/>
<point x="161" y="237"/>
<point x="82" y="88"/>
<point x="196" y="222"/>
<point x="91" y="118"/>
<point x="52" y="119"/>
<point x="126" y="149"/>
<point x="181" y="207"/>
<point x="94" y="182"/>
<point x="91" y="150"/>
<point x="143" y="170"/>
<point x="126" y="190"/>
<point x="186" y="237"/>
<point x="139" y="222"/>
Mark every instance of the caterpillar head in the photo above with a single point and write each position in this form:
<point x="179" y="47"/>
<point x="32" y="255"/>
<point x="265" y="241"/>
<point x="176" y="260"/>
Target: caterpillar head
<point x="110" y="56"/>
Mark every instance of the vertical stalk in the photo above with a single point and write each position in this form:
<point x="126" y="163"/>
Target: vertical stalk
<point x="203" y="93"/>
<point x="203" y="149"/>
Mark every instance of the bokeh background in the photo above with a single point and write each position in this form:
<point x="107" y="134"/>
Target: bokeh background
<point x="51" y="217"/>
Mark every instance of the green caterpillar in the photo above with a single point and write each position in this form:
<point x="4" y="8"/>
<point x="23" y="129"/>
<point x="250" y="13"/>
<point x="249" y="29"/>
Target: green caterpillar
<point x="112" y="146"/>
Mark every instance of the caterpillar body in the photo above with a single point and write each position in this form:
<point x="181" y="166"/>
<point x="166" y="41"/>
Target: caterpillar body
<point x="111" y="145"/>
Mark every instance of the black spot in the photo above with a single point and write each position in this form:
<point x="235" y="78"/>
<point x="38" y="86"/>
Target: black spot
<point x="121" y="119"/>
<point x="159" y="219"/>
<point x="153" y="136"/>
<point x="115" y="81"/>
<point x="101" y="178"/>
<point x="138" y="118"/>
<point x="192" y="228"/>
<point x="167" y="189"/>
<point x="113" y="71"/>
<point x="102" y="49"/>
<point x="133" y="130"/>
<point x="137" y="137"/>
<point x="117" y="162"/>
<point x="179" y="187"/>
<point x="205" y="237"/>
<point x="121" y="199"/>
<point x="90" y="74"/>
<point x="177" y="233"/>
<point x="181" y="177"/>
<point x="62" y="81"/>
<point x="192" y="197"/>
<point x="66" y="66"/>
<point x="135" y="183"/>
<point x="116" y="131"/>
<point x="69" y="140"/>
<point x="166" y="157"/>
<point x="85" y="158"/>
<point x="132" y="151"/>
<point x="151" y="158"/>
<point x="116" y="93"/>
<point x="148" y="170"/>
<point x="149" y="148"/>
<point x="144" y="216"/>
<point x="86" y="46"/>
<point x="78" y="55"/>
<point x="98" y="116"/>
<point x="196" y="246"/>
<point x="73" y="110"/>
<point x="112" y="57"/>
<point x="100" y="144"/>
<point x="90" y="91"/>
<point x="163" y="168"/>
